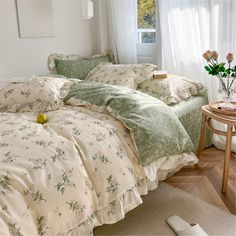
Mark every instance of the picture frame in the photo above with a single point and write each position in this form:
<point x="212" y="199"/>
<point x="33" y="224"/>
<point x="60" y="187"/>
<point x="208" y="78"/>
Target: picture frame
<point x="35" y="18"/>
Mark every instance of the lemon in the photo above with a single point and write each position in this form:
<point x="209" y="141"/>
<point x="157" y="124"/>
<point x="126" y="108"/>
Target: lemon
<point x="42" y="118"/>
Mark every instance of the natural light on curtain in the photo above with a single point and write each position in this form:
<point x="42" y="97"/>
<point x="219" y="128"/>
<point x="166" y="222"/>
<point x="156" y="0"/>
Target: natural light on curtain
<point x="189" y="28"/>
<point x="122" y="22"/>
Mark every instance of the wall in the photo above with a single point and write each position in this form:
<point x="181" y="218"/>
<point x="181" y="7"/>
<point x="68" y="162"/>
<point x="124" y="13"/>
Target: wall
<point x="23" y="57"/>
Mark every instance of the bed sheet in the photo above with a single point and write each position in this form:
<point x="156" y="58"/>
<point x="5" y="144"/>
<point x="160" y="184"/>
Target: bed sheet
<point x="189" y="114"/>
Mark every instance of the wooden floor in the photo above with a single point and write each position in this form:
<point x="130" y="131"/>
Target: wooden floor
<point x="205" y="180"/>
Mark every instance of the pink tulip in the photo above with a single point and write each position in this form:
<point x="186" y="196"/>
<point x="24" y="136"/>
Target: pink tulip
<point x="230" y="57"/>
<point x="214" y="55"/>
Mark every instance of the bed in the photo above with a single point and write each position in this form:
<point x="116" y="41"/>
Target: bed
<point x="102" y="148"/>
<point x="184" y="96"/>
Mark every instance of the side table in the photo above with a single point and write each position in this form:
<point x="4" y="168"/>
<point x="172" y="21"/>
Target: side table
<point x="230" y="121"/>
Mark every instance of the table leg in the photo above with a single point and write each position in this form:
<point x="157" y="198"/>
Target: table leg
<point x="202" y="136"/>
<point x="227" y="159"/>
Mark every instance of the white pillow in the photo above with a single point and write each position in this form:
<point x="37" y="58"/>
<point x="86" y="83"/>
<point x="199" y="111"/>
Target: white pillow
<point x="128" y="75"/>
<point x="6" y="82"/>
<point x="173" y="89"/>
<point x="35" y="94"/>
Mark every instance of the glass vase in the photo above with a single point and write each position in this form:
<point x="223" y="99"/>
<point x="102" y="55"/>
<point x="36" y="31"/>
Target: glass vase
<point x="227" y="90"/>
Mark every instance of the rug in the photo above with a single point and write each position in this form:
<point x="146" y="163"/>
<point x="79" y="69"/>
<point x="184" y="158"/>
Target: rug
<point x="149" y="218"/>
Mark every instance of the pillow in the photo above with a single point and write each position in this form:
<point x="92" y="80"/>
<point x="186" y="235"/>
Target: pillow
<point x="35" y="94"/>
<point x="128" y="75"/>
<point x="173" y="89"/>
<point x="5" y="82"/>
<point x="78" y="68"/>
<point x="75" y="66"/>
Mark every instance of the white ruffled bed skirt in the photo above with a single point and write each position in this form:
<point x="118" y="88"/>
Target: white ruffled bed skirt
<point x="156" y="172"/>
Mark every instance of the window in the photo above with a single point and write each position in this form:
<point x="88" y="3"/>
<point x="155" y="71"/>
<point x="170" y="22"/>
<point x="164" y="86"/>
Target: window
<point x="146" y="21"/>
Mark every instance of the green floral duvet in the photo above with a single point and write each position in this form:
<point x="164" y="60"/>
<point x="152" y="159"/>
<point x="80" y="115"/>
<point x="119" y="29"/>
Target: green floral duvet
<point x="155" y="129"/>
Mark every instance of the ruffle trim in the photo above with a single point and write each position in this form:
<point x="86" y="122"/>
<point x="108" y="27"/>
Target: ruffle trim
<point x="110" y="214"/>
<point x="157" y="171"/>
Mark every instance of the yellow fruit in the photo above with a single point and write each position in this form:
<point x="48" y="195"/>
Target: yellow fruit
<point x="42" y="118"/>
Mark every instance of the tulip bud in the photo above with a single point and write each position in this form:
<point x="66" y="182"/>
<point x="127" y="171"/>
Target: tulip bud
<point x="214" y="55"/>
<point x="207" y="55"/>
<point x="230" y="57"/>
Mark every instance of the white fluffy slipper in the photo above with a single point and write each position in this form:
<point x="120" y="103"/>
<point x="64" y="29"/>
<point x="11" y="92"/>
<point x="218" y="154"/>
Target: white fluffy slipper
<point x="182" y="228"/>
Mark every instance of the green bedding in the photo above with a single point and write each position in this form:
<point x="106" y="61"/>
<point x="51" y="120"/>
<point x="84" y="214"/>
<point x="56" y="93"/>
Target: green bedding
<point x="189" y="114"/>
<point x="156" y="131"/>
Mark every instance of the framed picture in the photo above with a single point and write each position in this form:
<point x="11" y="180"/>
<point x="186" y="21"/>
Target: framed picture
<point x="35" y="18"/>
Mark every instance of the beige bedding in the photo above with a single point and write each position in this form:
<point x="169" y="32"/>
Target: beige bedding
<point x="77" y="171"/>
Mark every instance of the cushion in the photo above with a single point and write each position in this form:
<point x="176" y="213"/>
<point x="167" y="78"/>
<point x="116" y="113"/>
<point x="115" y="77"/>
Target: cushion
<point x="128" y="75"/>
<point x="34" y="94"/>
<point x="173" y="89"/>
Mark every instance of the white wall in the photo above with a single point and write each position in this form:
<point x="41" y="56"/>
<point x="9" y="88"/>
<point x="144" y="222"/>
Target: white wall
<point x="23" y="57"/>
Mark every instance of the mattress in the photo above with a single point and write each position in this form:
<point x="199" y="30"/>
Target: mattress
<point x="189" y="114"/>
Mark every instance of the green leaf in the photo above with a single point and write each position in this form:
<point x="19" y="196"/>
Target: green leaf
<point x="222" y="64"/>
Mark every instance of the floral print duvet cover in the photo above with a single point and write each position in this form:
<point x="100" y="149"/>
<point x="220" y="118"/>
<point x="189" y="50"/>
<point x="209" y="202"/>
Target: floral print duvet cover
<point x="77" y="171"/>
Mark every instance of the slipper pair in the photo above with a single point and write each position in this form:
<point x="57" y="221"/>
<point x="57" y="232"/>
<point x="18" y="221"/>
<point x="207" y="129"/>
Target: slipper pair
<point x="182" y="228"/>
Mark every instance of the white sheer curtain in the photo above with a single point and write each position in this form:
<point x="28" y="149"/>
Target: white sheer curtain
<point x="122" y="23"/>
<point x="189" y="28"/>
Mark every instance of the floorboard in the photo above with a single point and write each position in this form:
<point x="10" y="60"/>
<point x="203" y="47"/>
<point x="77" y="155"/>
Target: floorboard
<point x="204" y="181"/>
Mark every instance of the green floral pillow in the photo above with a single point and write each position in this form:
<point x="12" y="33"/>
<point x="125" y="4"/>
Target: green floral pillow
<point x="78" y="68"/>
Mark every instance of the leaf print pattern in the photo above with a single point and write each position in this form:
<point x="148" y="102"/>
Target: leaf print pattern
<point x="112" y="185"/>
<point x="75" y="207"/>
<point x="3" y="144"/>
<point x="53" y="182"/>
<point x="24" y="127"/>
<point x="101" y="158"/>
<point x="76" y="131"/>
<point x="14" y="229"/>
<point x="60" y="154"/>
<point x="40" y="226"/>
<point x="5" y="184"/>
<point x="26" y="93"/>
<point x="120" y="151"/>
<point x="8" y="157"/>
<point x="4" y="208"/>
<point x="112" y="209"/>
<point x="8" y="92"/>
<point x="65" y="181"/>
<point x="58" y="212"/>
<point x="99" y="137"/>
<point x="43" y="143"/>
<point x="34" y="194"/>
<point x="38" y="164"/>
<point x="6" y="133"/>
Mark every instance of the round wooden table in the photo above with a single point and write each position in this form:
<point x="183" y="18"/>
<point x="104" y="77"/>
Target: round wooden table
<point x="230" y="121"/>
